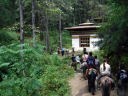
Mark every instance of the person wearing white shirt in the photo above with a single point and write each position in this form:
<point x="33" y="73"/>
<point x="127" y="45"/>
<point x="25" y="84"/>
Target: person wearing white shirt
<point x="78" y="59"/>
<point x="105" y="69"/>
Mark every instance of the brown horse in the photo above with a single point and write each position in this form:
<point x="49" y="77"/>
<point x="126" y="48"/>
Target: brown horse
<point x="106" y="85"/>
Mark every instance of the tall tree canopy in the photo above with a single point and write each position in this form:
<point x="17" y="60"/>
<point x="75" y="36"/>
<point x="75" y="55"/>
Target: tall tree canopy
<point x="114" y="32"/>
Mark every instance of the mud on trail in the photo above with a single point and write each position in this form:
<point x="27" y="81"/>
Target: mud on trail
<point x="79" y="87"/>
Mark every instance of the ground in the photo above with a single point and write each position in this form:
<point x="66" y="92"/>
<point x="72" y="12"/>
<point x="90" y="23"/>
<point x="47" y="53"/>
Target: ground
<point x="79" y="86"/>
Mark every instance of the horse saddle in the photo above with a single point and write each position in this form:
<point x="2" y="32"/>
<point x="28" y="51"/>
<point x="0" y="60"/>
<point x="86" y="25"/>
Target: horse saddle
<point x="92" y="70"/>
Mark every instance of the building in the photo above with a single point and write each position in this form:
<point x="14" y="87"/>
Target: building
<point x="84" y="36"/>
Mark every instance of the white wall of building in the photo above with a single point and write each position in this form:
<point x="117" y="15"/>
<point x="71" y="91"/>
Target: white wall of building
<point x="93" y="40"/>
<point x="75" y="42"/>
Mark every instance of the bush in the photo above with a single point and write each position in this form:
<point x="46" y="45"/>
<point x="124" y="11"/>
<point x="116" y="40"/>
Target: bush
<point x="37" y="75"/>
<point x="6" y="37"/>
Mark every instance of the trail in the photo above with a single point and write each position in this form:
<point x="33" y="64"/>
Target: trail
<point x="79" y="87"/>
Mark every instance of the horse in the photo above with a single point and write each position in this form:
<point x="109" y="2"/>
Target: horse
<point x="91" y="75"/>
<point x="121" y="88"/>
<point x="106" y="85"/>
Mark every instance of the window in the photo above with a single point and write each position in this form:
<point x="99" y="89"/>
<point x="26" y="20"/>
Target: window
<point x="84" y="41"/>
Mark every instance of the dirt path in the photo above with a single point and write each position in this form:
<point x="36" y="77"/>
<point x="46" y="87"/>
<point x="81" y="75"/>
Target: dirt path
<point x="79" y="87"/>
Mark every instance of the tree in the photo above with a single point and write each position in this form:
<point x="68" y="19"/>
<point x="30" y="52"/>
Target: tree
<point x="60" y="32"/>
<point x="33" y="22"/>
<point x="114" y="33"/>
<point x="21" y="27"/>
<point x="7" y="13"/>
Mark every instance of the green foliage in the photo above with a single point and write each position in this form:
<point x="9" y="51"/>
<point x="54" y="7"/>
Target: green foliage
<point x="54" y="37"/>
<point x="7" y="13"/>
<point x="114" y="33"/>
<point x="100" y="55"/>
<point x="55" y="82"/>
<point x="38" y="75"/>
<point x="6" y="36"/>
<point x="66" y="39"/>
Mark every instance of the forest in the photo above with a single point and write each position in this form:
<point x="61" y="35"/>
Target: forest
<point x="32" y="30"/>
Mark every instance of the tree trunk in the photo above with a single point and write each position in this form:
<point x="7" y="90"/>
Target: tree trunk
<point x="60" y="32"/>
<point x="21" y="27"/>
<point x="33" y="23"/>
<point x="47" y="33"/>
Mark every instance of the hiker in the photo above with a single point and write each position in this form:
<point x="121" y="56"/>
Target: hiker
<point x="74" y="64"/>
<point x="58" y="50"/>
<point x="78" y="59"/>
<point x="73" y="50"/>
<point x="62" y="51"/>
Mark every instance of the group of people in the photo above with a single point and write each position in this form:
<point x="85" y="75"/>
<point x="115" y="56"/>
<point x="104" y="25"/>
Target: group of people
<point x="62" y="51"/>
<point x="87" y="61"/>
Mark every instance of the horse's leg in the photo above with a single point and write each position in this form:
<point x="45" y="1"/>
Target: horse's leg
<point x="89" y="87"/>
<point x="105" y="89"/>
<point x="124" y="89"/>
<point x="93" y="87"/>
<point x="102" y="90"/>
<point x="89" y="83"/>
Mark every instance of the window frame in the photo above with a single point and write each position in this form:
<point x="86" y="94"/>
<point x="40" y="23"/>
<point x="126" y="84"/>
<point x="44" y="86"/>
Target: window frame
<point x="84" y="41"/>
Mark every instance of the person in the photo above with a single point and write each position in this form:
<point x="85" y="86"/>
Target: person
<point x="78" y="59"/>
<point x="122" y="80"/>
<point x="84" y="63"/>
<point x="73" y="50"/>
<point x="62" y="51"/>
<point x="122" y="74"/>
<point x="58" y="50"/>
<point x="97" y="63"/>
<point x="67" y="52"/>
<point x="85" y="56"/>
<point x="90" y="60"/>
<point x="84" y="50"/>
<point x="74" y="65"/>
<point x="105" y="70"/>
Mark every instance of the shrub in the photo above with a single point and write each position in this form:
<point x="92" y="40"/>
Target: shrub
<point x="40" y="74"/>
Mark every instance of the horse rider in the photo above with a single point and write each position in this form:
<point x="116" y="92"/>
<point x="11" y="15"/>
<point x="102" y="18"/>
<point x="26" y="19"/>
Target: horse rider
<point x="97" y="63"/>
<point x="91" y="73"/>
<point x="122" y="75"/>
<point x="90" y="60"/>
<point x="105" y="70"/>
<point x="84" y="63"/>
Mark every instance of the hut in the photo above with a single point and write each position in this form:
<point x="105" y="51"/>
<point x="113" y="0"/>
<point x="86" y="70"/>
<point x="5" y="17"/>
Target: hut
<point x="84" y="36"/>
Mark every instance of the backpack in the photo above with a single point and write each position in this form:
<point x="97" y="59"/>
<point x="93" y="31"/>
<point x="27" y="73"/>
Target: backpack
<point x="90" y="61"/>
<point x="123" y="75"/>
